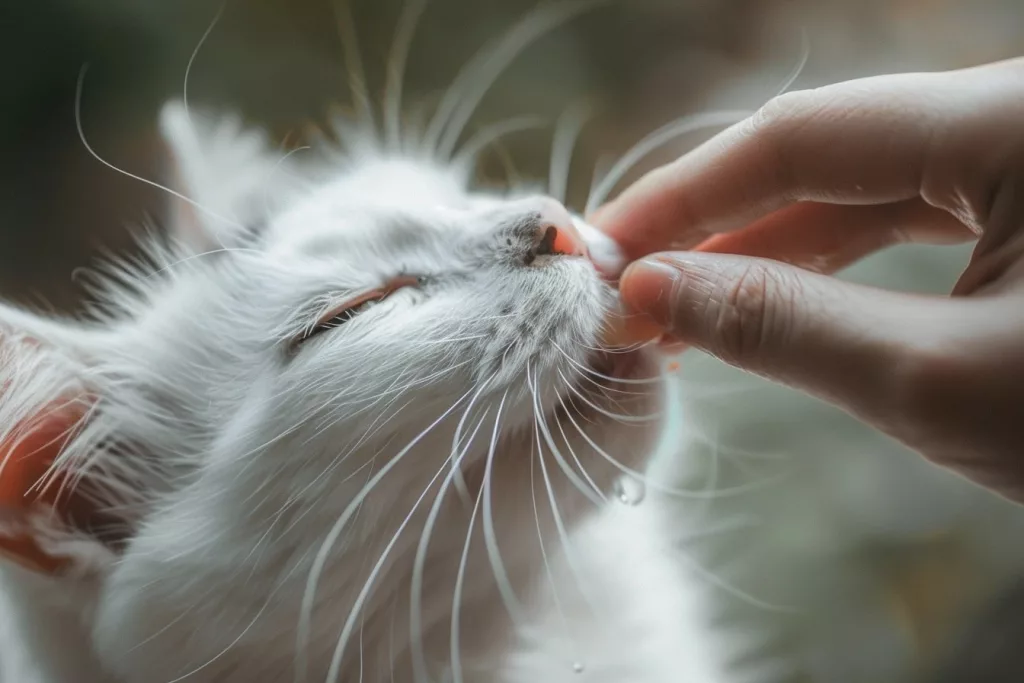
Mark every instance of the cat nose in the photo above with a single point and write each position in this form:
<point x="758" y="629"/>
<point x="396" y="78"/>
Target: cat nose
<point x="557" y="233"/>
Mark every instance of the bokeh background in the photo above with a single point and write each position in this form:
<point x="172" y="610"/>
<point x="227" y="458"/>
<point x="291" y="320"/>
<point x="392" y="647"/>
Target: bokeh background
<point x="845" y="559"/>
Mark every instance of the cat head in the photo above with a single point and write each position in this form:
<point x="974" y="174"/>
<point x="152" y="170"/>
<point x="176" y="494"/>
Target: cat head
<point x="326" y="349"/>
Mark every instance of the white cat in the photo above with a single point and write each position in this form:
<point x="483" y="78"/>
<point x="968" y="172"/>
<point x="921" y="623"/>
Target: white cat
<point x="363" y="431"/>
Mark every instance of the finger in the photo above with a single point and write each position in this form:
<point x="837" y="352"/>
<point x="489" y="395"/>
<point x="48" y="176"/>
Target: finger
<point x="842" y="342"/>
<point x="826" y="238"/>
<point x="860" y="142"/>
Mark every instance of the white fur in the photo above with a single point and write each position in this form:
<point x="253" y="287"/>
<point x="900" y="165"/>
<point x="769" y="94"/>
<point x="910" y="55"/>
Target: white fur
<point x="241" y="467"/>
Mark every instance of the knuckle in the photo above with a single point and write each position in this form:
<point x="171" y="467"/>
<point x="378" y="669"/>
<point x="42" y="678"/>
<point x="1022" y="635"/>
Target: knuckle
<point x="752" y="314"/>
<point x="780" y="111"/>
<point x="776" y="127"/>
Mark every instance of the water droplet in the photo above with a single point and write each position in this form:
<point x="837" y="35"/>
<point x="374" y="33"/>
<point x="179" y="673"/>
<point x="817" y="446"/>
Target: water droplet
<point x="577" y="667"/>
<point x="630" y="491"/>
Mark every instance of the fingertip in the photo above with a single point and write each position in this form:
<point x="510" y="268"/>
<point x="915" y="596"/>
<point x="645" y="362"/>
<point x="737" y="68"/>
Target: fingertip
<point x="605" y="253"/>
<point x="625" y="328"/>
<point x="646" y="286"/>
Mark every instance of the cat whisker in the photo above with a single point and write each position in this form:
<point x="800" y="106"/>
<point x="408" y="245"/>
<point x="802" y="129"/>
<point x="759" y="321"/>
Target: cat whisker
<point x="625" y="419"/>
<point x="654" y="141"/>
<point x="296" y="497"/>
<point x="563" y="143"/>
<point x="362" y="622"/>
<point x="150" y="638"/>
<point x="467" y="155"/>
<point x="721" y="528"/>
<point x="234" y="642"/>
<point x="701" y="439"/>
<point x="306" y="610"/>
<point x="556" y="600"/>
<point x="192" y="59"/>
<point x="477" y="76"/>
<point x="700" y="391"/>
<point x="501" y="576"/>
<point x="602" y="165"/>
<point x="372" y="401"/>
<point x="277" y="169"/>
<point x="335" y="667"/>
<point x="450" y="340"/>
<point x="460" y="483"/>
<point x="354" y="65"/>
<point x="339" y="459"/>
<point x="543" y="429"/>
<point x="535" y="456"/>
<point x="674" y="129"/>
<point x="419" y="659"/>
<point x="563" y="534"/>
<point x="798" y="68"/>
<point x="85" y="143"/>
<point x="456" y="653"/>
<point x="607" y="390"/>
<point x="657" y="379"/>
<point x="405" y="31"/>
<point x="203" y="254"/>
<point x="655" y="485"/>
<point x="583" y="470"/>
<point x="732" y="590"/>
<point x="391" y="640"/>
<point x="513" y="178"/>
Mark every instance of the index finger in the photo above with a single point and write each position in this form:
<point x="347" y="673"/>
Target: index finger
<point x="859" y="142"/>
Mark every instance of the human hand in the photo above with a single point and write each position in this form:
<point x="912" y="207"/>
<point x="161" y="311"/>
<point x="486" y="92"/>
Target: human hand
<point x="817" y="180"/>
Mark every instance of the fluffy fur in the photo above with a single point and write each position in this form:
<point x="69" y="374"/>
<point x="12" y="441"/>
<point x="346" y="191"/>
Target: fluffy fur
<point x="426" y="493"/>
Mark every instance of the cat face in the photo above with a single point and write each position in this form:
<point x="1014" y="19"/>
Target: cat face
<point x="273" y="422"/>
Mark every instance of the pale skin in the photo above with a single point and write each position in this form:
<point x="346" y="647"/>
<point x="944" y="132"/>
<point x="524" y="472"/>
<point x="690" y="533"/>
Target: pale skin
<point x="733" y="247"/>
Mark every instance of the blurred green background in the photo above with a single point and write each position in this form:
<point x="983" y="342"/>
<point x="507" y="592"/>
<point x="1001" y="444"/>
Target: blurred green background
<point x="881" y="562"/>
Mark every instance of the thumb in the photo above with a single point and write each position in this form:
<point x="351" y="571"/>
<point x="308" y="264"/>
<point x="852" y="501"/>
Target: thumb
<point x="842" y="342"/>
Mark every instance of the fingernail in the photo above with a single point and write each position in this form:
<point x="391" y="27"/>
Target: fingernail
<point x="625" y="327"/>
<point x="604" y="252"/>
<point x="646" y="287"/>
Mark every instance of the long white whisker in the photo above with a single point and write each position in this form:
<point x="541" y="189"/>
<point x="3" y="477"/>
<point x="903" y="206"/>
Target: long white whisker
<point x="97" y="157"/>
<point x="501" y="577"/>
<point x="456" y="654"/>
<point x="306" y="610"/>
<point x="354" y="64"/>
<point x="655" y="140"/>
<point x="626" y="419"/>
<point x="273" y="172"/>
<point x="419" y="659"/>
<point x="404" y="33"/>
<point x="469" y="152"/>
<point x="657" y="379"/>
<point x="534" y="444"/>
<point x="569" y="473"/>
<point x="657" y="486"/>
<point x="733" y="590"/>
<point x="583" y="470"/>
<point x="563" y="534"/>
<point x="805" y="54"/>
<point x="241" y="635"/>
<point x="563" y="142"/>
<point x="460" y="483"/>
<point x="335" y="668"/>
<point x="192" y="59"/>
<point x="476" y="78"/>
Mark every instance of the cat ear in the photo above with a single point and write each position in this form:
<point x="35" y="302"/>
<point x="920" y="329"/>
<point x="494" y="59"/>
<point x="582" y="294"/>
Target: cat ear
<point x="44" y="405"/>
<point x="229" y="177"/>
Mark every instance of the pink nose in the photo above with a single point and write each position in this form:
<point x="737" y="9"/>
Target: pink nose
<point x="557" y="229"/>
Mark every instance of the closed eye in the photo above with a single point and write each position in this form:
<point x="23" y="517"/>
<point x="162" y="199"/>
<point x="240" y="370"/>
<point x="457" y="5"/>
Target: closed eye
<point x="342" y="313"/>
